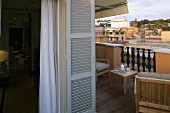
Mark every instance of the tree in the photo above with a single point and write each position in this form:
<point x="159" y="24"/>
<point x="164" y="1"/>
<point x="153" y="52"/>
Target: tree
<point x="135" y="23"/>
<point x="142" y="26"/>
<point x="116" y="32"/>
<point x="145" y="21"/>
<point x="149" y="25"/>
<point x="159" y="21"/>
<point x="164" y="24"/>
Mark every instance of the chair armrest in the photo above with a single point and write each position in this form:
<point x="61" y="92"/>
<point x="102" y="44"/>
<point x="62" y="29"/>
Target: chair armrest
<point x="103" y="60"/>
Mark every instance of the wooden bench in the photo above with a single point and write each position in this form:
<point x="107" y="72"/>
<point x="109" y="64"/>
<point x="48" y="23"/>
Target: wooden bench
<point x="152" y="93"/>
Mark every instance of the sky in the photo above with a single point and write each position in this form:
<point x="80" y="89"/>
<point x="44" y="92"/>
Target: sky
<point x="147" y="9"/>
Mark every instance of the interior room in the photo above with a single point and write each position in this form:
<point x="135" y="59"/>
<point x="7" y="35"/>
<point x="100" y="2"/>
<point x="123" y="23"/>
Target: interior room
<point x="19" y="55"/>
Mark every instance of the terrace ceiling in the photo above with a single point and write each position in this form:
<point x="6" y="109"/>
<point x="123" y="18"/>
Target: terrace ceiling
<point x="103" y="8"/>
<point x="106" y="8"/>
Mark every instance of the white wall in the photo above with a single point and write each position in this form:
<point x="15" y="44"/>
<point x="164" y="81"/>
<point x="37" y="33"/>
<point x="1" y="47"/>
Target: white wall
<point x="120" y="24"/>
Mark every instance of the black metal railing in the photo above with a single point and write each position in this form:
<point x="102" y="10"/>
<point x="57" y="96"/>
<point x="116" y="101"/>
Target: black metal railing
<point x="139" y="59"/>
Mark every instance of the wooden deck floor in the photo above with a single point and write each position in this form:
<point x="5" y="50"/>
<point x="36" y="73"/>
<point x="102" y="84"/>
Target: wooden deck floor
<point x="112" y="100"/>
<point x="21" y="97"/>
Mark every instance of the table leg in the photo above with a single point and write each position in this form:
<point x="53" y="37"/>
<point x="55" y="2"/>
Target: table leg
<point x="111" y="80"/>
<point x="124" y="84"/>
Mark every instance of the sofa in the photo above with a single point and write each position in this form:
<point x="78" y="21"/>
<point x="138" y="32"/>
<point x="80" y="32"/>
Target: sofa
<point x="152" y="92"/>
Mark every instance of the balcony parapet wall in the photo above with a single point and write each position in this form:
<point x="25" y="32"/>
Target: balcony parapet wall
<point x="109" y="51"/>
<point x="162" y="60"/>
<point x="140" y="59"/>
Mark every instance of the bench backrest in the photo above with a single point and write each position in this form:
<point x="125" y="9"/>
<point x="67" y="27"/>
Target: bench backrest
<point x="153" y="92"/>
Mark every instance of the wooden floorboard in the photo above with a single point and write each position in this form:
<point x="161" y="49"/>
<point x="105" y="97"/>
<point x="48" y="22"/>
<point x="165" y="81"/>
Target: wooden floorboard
<point x="112" y="99"/>
<point x="21" y="97"/>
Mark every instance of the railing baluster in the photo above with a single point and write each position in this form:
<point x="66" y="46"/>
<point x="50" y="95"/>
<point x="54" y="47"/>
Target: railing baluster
<point x="117" y="38"/>
<point x="138" y="62"/>
<point x="128" y="57"/>
<point x="143" y="60"/>
<point x="138" y="59"/>
<point x="133" y="57"/>
<point x="111" y="38"/>
<point x="122" y="55"/>
<point x="149" y="60"/>
<point x="154" y="62"/>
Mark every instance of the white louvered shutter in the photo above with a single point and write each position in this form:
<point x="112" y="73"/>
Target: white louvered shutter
<point x="80" y="33"/>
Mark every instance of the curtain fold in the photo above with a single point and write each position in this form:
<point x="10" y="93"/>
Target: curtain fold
<point x="48" y="102"/>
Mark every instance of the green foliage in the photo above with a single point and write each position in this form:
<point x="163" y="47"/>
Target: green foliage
<point x="135" y="23"/>
<point x="122" y="32"/>
<point x="142" y="26"/>
<point x="154" y="24"/>
<point x="116" y="32"/>
<point x="145" y="21"/>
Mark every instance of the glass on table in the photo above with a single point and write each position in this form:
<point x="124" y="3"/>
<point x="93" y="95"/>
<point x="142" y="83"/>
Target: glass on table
<point x="117" y="69"/>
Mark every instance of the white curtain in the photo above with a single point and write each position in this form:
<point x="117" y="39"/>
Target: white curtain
<point x="48" y="101"/>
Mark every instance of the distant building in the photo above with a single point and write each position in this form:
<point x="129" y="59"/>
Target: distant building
<point x="119" y="23"/>
<point x="116" y="37"/>
<point x="149" y="32"/>
<point x="165" y="36"/>
<point x="131" y="31"/>
<point x="99" y="30"/>
<point x="153" y="38"/>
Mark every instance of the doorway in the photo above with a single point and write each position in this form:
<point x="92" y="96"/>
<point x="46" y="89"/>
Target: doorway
<point x="15" y="48"/>
<point x="16" y="39"/>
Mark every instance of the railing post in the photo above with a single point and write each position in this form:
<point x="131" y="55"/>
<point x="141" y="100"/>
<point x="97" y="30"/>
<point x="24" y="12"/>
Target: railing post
<point x="154" y="62"/>
<point x="143" y="60"/>
<point x="128" y="57"/>
<point x="117" y="38"/>
<point x="149" y="60"/>
<point x="122" y="38"/>
<point x="138" y="59"/>
<point x="122" y="55"/>
<point x="133" y="57"/>
<point x="111" y="38"/>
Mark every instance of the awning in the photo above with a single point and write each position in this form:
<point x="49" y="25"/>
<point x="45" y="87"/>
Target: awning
<point x="106" y="8"/>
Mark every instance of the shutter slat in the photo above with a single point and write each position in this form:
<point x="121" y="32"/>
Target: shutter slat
<point x="80" y="55"/>
<point x="80" y="49"/>
<point x="80" y="16"/>
<point x="81" y="101"/>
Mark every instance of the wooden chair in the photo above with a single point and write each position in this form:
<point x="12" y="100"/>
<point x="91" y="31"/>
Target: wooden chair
<point x="102" y="67"/>
<point x="152" y="93"/>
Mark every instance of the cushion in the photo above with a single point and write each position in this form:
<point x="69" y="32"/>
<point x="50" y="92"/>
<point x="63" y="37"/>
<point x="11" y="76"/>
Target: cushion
<point x="101" y="66"/>
<point x="154" y="75"/>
